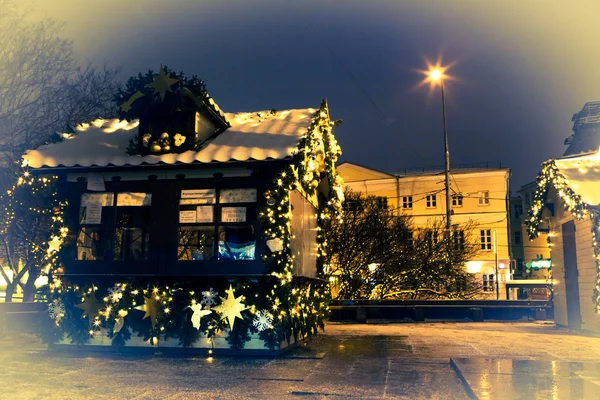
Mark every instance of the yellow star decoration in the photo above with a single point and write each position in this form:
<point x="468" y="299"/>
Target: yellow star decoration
<point x="150" y="307"/>
<point x="162" y="83"/>
<point x="90" y="306"/>
<point x="231" y="307"/>
<point x="127" y="105"/>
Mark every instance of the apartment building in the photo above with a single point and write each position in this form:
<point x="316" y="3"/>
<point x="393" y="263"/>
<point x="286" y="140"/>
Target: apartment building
<point x="479" y="200"/>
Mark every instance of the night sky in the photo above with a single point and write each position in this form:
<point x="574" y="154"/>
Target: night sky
<point x="522" y="68"/>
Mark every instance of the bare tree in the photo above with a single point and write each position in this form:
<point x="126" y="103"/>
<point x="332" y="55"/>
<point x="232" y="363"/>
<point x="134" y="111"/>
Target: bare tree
<point x="42" y="91"/>
<point x="433" y="265"/>
<point x="376" y="254"/>
<point x="366" y="241"/>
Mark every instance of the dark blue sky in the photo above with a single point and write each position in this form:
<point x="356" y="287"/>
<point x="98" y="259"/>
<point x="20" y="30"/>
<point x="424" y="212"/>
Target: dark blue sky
<point x="522" y="67"/>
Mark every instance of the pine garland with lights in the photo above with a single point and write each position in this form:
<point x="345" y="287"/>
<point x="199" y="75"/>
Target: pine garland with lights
<point x="31" y="210"/>
<point x="317" y="154"/>
<point x="550" y="176"/>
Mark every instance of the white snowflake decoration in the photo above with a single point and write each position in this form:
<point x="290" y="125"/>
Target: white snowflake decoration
<point x="115" y="293"/>
<point x="263" y="320"/>
<point x="209" y="297"/>
<point x="56" y="310"/>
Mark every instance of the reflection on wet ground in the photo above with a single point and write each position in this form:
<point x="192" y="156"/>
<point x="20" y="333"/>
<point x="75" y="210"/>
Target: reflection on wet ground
<point x="530" y="379"/>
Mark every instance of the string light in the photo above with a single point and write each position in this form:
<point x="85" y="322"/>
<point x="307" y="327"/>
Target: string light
<point x="551" y="177"/>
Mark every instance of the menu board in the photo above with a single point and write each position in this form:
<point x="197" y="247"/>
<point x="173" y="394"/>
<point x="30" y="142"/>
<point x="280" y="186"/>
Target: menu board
<point x="204" y="214"/>
<point x="233" y="214"/>
<point x="187" y="217"/>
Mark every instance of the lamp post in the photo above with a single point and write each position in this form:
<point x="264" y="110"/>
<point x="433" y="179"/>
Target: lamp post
<point x="437" y="75"/>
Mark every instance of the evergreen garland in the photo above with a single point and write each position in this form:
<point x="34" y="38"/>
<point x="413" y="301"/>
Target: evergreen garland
<point x="550" y="176"/>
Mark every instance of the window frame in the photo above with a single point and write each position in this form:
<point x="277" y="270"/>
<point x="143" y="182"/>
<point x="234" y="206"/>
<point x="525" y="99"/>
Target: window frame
<point x="382" y="202"/>
<point x="252" y="211"/>
<point x="407" y="202"/>
<point x="457" y="200"/>
<point x="518" y="210"/>
<point x="485" y="240"/>
<point x="112" y="224"/>
<point x="162" y="259"/>
<point x="458" y="237"/>
<point x="484" y="198"/>
<point x="431" y="201"/>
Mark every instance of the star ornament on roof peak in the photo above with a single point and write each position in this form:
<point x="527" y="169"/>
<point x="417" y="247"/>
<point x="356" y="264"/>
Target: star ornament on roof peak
<point x="162" y="83"/>
<point x="231" y="307"/>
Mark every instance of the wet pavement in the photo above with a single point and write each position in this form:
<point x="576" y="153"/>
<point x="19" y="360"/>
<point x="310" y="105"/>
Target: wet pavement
<point x="401" y="361"/>
<point x="529" y="379"/>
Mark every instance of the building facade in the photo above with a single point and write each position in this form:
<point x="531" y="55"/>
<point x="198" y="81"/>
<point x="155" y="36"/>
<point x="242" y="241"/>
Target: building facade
<point x="480" y="200"/>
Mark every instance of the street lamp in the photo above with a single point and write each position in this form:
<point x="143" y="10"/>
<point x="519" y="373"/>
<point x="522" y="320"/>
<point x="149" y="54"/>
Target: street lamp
<point x="436" y="75"/>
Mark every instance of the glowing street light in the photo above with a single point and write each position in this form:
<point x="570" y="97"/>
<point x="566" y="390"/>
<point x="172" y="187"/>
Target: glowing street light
<point x="436" y="75"/>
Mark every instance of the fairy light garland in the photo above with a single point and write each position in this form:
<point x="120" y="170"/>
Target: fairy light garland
<point x="44" y="255"/>
<point x="300" y="307"/>
<point x="550" y="176"/>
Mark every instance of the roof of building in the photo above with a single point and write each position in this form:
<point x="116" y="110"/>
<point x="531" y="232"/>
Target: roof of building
<point x="259" y="135"/>
<point x="369" y="173"/>
<point x="583" y="175"/>
<point x="586" y="132"/>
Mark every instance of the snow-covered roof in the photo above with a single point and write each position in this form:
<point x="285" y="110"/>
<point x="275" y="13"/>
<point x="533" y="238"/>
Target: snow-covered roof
<point x="583" y="175"/>
<point x="260" y="135"/>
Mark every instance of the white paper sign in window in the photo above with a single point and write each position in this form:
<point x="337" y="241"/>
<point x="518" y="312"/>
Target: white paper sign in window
<point x="96" y="201"/>
<point x="233" y="214"/>
<point x="187" y="217"/>
<point x="204" y="214"/>
<point x="95" y="182"/>
<point x="93" y="214"/>
<point x="237" y="196"/>
<point x="198" y="196"/>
